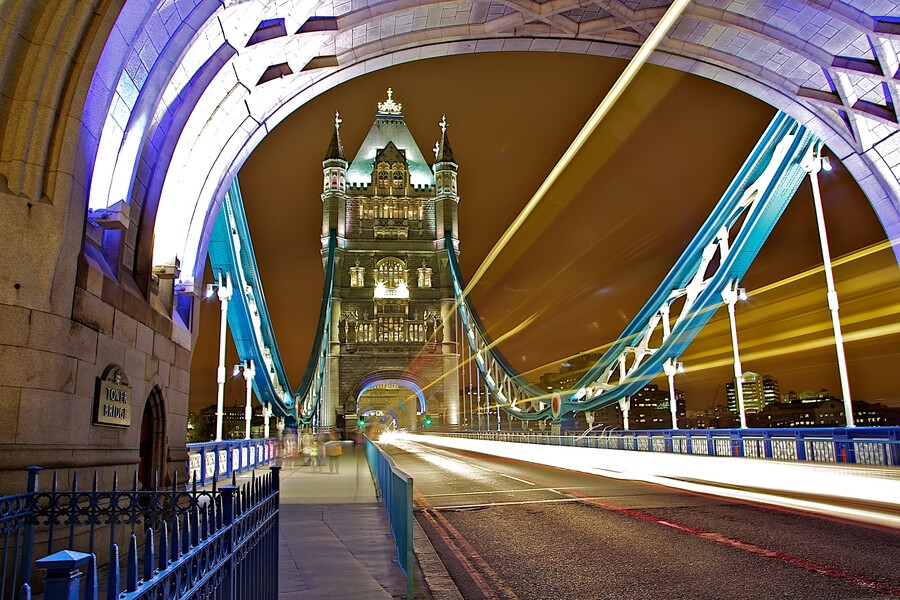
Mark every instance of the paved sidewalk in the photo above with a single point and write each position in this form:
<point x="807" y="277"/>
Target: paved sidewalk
<point x="335" y="538"/>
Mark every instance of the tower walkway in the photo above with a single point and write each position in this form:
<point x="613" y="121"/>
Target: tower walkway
<point x="335" y="538"/>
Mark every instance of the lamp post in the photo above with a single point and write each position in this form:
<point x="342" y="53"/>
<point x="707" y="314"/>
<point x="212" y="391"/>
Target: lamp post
<point x="249" y="372"/>
<point x="730" y="295"/>
<point x="224" y="291"/>
<point x="671" y="366"/>
<point x="625" y="407"/>
<point x="813" y="163"/>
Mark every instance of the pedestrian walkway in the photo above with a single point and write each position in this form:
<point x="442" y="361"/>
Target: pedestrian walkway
<point x="335" y="538"/>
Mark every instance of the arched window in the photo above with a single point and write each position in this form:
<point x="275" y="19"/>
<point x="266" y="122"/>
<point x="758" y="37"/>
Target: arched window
<point x="383" y="179"/>
<point x="390" y="279"/>
<point x="391" y="272"/>
<point x="357" y="276"/>
<point x="398" y="179"/>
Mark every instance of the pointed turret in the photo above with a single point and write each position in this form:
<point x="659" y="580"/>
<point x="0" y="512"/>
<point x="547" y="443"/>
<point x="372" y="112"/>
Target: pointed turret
<point x="334" y="187"/>
<point x="336" y="148"/>
<point x="371" y="166"/>
<point x="445" y="181"/>
<point x="445" y="154"/>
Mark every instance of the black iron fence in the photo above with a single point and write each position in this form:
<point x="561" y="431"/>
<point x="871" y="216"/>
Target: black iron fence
<point x="179" y="543"/>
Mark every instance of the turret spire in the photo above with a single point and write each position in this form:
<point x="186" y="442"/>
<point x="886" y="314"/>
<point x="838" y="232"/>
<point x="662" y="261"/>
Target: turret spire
<point x="444" y="152"/>
<point x="335" y="148"/>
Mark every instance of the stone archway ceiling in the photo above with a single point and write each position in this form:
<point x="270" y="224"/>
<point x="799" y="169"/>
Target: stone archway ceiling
<point x="202" y="81"/>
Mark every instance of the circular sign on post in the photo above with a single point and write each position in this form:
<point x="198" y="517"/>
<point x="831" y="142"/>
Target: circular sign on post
<point x="555" y="406"/>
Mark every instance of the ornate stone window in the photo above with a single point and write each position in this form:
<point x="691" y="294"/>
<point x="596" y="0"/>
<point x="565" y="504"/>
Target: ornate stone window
<point x="357" y="276"/>
<point x="390" y="329"/>
<point x="399" y="178"/>
<point x="390" y="279"/>
<point x="424" y="272"/>
<point x="383" y="178"/>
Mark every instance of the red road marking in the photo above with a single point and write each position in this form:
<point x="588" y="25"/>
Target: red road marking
<point x="796" y="561"/>
<point x="467" y="555"/>
<point x="832" y="572"/>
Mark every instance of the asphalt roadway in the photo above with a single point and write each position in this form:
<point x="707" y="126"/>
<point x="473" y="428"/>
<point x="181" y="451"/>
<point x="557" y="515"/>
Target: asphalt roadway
<point x="511" y="530"/>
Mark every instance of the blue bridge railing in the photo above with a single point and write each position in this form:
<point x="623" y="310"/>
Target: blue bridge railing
<point x="396" y="490"/>
<point x="873" y="446"/>
<point x="215" y="461"/>
<point x="193" y="541"/>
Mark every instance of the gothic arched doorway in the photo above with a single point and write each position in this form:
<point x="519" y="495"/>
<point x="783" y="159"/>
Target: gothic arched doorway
<point x="152" y="449"/>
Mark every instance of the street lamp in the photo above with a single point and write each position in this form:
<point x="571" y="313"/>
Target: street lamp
<point x="224" y="291"/>
<point x="730" y="295"/>
<point x="671" y="366"/>
<point x="249" y="372"/>
<point x="814" y="162"/>
<point x="625" y="407"/>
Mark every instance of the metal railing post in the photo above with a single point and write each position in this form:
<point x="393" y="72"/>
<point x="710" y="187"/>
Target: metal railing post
<point x="410" y="554"/>
<point x="27" y="555"/>
<point x="228" y="514"/>
<point x="63" y="574"/>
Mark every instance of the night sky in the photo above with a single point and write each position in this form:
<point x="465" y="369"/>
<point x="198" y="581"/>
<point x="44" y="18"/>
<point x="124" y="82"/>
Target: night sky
<point x="602" y="239"/>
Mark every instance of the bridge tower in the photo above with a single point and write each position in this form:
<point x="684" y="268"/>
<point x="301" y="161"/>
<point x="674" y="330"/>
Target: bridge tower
<point x="393" y="346"/>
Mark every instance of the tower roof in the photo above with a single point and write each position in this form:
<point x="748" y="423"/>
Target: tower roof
<point x="389" y="127"/>
<point x="444" y="153"/>
<point x="336" y="148"/>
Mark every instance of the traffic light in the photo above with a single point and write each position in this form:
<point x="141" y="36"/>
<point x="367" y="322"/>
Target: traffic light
<point x="427" y="421"/>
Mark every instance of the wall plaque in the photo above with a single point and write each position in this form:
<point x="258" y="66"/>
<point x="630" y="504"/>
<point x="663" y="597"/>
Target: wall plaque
<point x="112" y="405"/>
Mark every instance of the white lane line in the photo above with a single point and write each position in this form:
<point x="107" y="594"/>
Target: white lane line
<point x="514" y="491"/>
<point x="514" y="478"/>
<point x="515" y="503"/>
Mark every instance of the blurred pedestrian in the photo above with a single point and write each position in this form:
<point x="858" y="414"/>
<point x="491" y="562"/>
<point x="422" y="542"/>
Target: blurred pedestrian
<point x="333" y="451"/>
<point x="321" y="459"/>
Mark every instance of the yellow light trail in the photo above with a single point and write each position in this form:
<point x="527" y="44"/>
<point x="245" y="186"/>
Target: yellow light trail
<point x="851" y="319"/>
<point x="631" y="70"/>
<point x="518" y="329"/>
<point x="848" y="258"/>
<point x="821" y="342"/>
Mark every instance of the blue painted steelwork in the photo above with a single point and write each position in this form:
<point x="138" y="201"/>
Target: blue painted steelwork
<point x="214" y="461"/>
<point x="719" y="254"/>
<point x="231" y="251"/>
<point x="223" y="547"/>
<point x="41" y="521"/>
<point x="396" y="490"/>
<point x="312" y="384"/>
<point x="871" y="446"/>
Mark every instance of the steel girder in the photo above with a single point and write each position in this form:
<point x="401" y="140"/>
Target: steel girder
<point x="231" y="251"/>
<point x="717" y="257"/>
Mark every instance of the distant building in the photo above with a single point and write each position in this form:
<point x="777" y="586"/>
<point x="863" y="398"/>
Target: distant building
<point x="569" y="373"/>
<point x="715" y="417"/>
<point x="824" y="413"/>
<point x="649" y="410"/>
<point x="759" y="390"/>
<point x="202" y="425"/>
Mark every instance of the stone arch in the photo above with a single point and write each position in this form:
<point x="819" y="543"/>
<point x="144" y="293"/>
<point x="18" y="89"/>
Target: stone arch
<point x="394" y="414"/>
<point x="393" y="377"/>
<point x="152" y="445"/>
<point x="838" y="80"/>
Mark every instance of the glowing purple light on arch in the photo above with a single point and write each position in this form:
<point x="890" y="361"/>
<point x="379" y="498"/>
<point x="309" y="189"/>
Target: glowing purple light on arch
<point x="391" y="381"/>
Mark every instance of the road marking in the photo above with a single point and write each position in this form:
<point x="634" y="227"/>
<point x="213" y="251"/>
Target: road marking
<point x="486" y="492"/>
<point x="514" y="478"/>
<point x="474" y="565"/>
<point x="796" y="561"/>
<point x="510" y="503"/>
